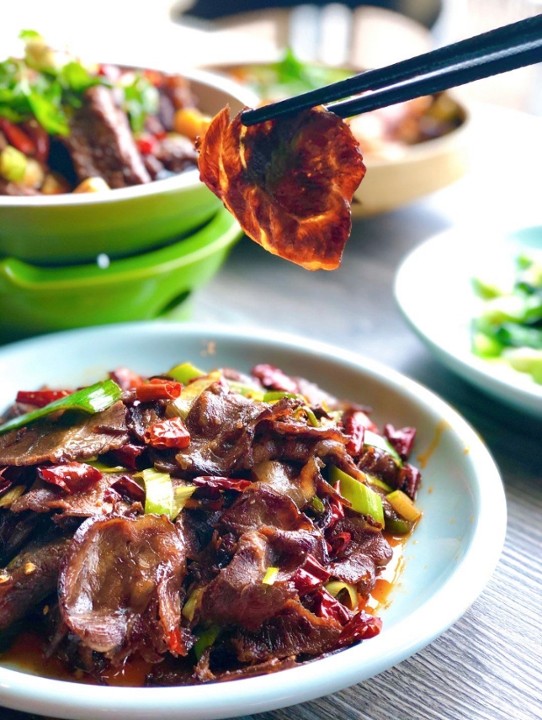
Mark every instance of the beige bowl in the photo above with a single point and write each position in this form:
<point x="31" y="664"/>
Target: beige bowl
<point x="397" y="173"/>
<point x="417" y="171"/>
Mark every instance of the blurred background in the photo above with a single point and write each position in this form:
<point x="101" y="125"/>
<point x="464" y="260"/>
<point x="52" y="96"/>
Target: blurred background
<point x="184" y="33"/>
<point x="375" y="33"/>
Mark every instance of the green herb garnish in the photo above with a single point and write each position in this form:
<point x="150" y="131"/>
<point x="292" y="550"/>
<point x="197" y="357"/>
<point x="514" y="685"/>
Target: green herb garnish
<point x="41" y="86"/>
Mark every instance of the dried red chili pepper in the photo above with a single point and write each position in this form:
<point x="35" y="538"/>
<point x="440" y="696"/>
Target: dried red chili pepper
<point x="222" y="483"/>
<point x="402" y="439"/>
<point x="309" y="576"/>
<point x="326" y="606"/>
<point x="339" y="542"/>
<point x="40" y="398"/>
<point x="355" y="423"/>
<point x="17" y="137"/>
<point x="168" y="433"/>
<point x="71" y="477"/>
<point x="127" y="486"/>
<point x="361" y="627"/>
<point x="158" y="389"/>
<point x="128" y="455"/>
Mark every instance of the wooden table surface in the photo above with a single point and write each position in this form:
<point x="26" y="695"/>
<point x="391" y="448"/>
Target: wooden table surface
<point x="488" y="666"/>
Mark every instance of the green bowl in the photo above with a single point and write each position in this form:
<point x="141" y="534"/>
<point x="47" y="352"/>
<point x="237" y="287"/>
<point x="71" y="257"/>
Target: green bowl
<point x="75" y="228"/>
<point x="36" y="300"/>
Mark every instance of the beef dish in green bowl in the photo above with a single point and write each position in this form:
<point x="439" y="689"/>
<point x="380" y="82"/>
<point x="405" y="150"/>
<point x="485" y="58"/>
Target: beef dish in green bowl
<point x="108" y="168"/>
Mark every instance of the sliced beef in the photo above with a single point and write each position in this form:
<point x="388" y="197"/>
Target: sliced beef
<point x="176" y="153"/>
<point x="101" y="143"/>
<point x="204" y="673"/>
<point x="366" y="552"/>
<point x="66" y="438"/>
<point x="30" y="577"/>
<point x="380" y="463"/>
<point x="292" y="547"/>
<point x="221" y="427"/>
<point x="237" y="596"/>
<point x="15" y="531"/>
<point x="120" y="586"/>
<point x="98" y="499"/>
<point x="262" y="506"/>
<point x="295" y="631"/>
<point x="299" y="484"/>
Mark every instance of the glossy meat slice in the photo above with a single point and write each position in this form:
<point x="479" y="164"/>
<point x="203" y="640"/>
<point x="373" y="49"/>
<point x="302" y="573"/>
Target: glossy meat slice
<point x="31" y="576"/>
<point x="221" y="426"/>
<point x="97" y="499"/>
<point x="120" y="584"/>
<point x="294" y="631"/>
<point x="101" y="143"/>
<point x="67" y="438"/>
<point x="237" y="595"/>
<point x="289" y="182"/>
<point x="263" y="506"/>
<point x="366" y="553"/>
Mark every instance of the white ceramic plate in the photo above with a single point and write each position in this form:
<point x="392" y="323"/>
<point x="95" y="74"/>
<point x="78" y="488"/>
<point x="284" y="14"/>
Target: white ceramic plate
<point x="433" y="288"/>
<point x="447" y="564"/>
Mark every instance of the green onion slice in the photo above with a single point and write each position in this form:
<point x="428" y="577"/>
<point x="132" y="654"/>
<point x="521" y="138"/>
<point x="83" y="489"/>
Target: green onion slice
<point x="185" y="373"/>
<point x="205" y="640"/>
<point x="92" y="399"/>
<point x="404" y="506"/>
<point x="270" y="576"/>
<point x="161" y="498"/>
<point x="336" y="587"/>
<point x="378" y="441"/>
<point x="362" y="499"/>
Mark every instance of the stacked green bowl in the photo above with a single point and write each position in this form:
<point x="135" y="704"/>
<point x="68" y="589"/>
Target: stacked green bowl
<point x="132" y="253"/>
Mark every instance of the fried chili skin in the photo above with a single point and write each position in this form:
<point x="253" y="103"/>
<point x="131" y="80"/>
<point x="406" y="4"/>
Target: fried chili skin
<point x="289" y="182"/>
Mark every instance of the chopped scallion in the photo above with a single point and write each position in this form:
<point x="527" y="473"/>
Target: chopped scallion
<point x="92" y="399"/>
<point x="205" y="640"/>
<point x="362" y="499"/>
<point x="403" y="505"/>
<point x="270" y="576"/>
<point x="338" y="587"/>
<point x="185" y="373"/>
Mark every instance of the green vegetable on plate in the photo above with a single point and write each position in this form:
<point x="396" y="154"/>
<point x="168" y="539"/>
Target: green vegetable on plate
<point x="508" y="326"/>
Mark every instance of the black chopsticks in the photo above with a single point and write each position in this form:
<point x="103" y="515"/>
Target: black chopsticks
<point x="491" y="53"/>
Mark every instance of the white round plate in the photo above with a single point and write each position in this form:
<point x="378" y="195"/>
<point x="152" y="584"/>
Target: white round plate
<point x="433" y="288"/>
<point x="447" y="562"/>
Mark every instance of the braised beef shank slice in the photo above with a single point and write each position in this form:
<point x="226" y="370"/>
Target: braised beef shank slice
<point x="31" y="576"/>
<point x="97" y="499"/>
<point x="120" y="586"/>
<point x="237" y="596"/>
<point x="367" y="552"/>
<point x="294" y="632"/>
<point x="260" y="506"/>
<point x="221" y="426"/>
<point x="65" y="439"/>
